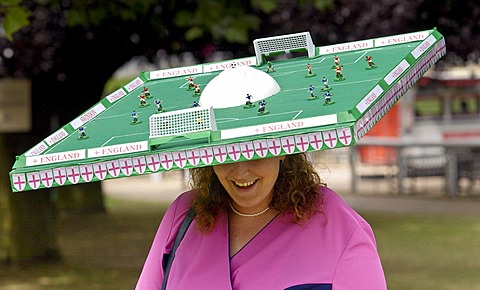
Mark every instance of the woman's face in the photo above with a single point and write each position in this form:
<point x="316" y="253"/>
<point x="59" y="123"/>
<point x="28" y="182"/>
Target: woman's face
<point x="250" y="183"/>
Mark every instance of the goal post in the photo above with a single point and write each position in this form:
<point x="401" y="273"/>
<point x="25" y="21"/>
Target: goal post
<point x="192" y="123"/>
<point x="283" y="44"/>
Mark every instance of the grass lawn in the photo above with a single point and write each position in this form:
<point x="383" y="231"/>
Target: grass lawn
<point x="418" y="251"/>
<point x="427" y="251"/>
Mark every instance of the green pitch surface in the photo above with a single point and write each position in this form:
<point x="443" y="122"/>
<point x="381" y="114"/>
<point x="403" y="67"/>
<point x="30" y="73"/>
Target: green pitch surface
<point x="113" y="126"/>
<point x="357" y="102"/>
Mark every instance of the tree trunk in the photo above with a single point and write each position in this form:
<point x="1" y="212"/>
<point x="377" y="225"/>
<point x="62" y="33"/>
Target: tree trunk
<point x="5" y="220"/>
<point x="80" y="198"/>
<point x="32" y="232"/>
<point x="28" y="220"/>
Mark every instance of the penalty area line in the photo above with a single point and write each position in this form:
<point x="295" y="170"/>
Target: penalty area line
<point x="360" y="57"/>
<point x="123" y="136"/>
<point x="297" y="115"/>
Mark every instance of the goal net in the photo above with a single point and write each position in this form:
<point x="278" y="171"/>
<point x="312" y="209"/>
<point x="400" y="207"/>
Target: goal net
<point x="182" y="122"/>
<point x="283" y="44"/>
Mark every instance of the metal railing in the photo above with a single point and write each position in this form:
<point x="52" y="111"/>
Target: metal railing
<point x="455" y="160"/>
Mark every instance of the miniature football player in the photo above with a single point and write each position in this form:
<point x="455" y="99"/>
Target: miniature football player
<point x="190" y="83"/>
<point x="312" y="94"/>
<point x="262" y="105"/>
<point x="311" y="91"/>
<point x="249" y="104"/>
<point x="328" y="99"/>
<point x="134" y="117"/>
<point x="338" y="74"/>
<point x="143" y="100"/>
<point x="371" y="64"/>
<point x="146" y="92"/>
<point x="309" y="71"/>
<point x="81" y="132"/>
<point x="261" y="109"/>
<point x="158" y="103"/>
<point x="195" y="104"/>
<point x="249" y="99"/>
<point x="270" y="66"/>
<point x="197" y="89"/>
<point x="326" y="87"/>
<point x="336" y="60"/>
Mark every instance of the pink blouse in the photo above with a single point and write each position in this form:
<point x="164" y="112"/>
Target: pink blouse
<point x="334" y="250"/>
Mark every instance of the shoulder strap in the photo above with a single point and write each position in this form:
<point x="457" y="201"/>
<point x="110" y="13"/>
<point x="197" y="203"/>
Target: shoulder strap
<point x="181" y="233"/>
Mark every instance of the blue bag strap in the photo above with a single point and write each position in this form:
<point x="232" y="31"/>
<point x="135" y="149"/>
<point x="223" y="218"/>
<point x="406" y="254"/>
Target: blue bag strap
<point x="181" y="233"/>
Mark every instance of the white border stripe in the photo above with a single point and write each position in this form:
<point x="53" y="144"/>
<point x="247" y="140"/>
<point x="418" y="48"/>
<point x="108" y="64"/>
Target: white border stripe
<point x="397" y="72"/>
<point x="55" y="158"/>
<point x="279" y="127"/>
<point x="118" y="149"/>
<point x="369" y="99"/>
<point x="348" y="46"/>
<point x="402" y="38"/>
<point x="115" y="96"/>
<point x="88" y="116"/>
<point x="175" y="72"/>
<point x="424" y="46"/>
<point x="37" y="150"/>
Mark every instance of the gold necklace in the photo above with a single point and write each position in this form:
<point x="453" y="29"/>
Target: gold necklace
<point x="248" y="214"/>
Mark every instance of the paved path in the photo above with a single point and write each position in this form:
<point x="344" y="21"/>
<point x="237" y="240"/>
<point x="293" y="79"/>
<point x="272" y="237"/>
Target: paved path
<point x="375" y="196"/>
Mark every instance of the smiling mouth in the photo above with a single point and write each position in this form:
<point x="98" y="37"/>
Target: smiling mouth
<point x="245" y="184"/>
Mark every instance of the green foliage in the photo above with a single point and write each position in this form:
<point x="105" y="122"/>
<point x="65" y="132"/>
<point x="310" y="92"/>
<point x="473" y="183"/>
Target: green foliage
<point x="114" y="84"/>
<point x="323" y="4"/>
<point x="231" y="20"/>
<point x="267" y="6"/>
<point x="8" y="3"/>
<point x="320" y="5"/>
<point x="222" y="21"/>
<point x="15" y="17"/>
<point x="94" y="12"/>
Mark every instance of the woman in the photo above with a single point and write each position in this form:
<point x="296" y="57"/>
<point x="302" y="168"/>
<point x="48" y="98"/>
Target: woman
<point x="264" y="224"/>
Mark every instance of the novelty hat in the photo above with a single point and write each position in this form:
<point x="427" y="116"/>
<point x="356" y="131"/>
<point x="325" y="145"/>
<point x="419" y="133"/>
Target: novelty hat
<point x="235" y="110"/>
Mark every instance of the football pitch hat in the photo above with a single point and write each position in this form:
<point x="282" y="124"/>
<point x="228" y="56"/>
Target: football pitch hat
<point x="236" y="110"/>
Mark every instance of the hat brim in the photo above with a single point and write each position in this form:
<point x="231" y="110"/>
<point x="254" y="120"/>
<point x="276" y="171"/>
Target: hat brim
<point x="112" y="145"/>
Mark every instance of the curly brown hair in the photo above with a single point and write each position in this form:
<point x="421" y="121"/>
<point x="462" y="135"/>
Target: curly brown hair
<point x="296" y="190"/>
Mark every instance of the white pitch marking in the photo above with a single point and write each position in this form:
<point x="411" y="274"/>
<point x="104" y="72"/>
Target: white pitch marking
<point x="286" y="73"/>
<point x="108" y="141"/>
<point x="360" y="57"/>
<point x="227" y="119"/>
<point x="121" y="136"/>
<point x="297" y="114"/>
<point x="357" y="82"/>
<point x="293" y="90"/>
<point x="185" y="83"/>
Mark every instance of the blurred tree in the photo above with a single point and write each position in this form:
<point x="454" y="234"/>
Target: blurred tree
<point x="69" y="49"/>
<point x="347" y="20"/>
<point x="459" y="21"/>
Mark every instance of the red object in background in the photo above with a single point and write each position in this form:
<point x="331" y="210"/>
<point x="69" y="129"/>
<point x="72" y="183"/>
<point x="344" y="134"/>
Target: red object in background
<point x="388" y="126"/>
